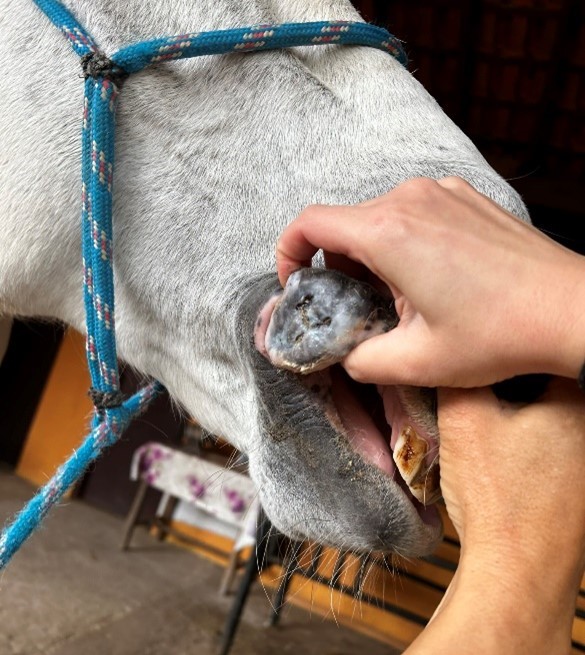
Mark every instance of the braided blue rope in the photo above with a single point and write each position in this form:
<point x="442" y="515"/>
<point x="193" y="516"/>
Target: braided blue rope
<point x="97" y="172"/>
<point x="62" y="18"/>
<point x="135" y="57"/>
<point x="103" y="77"/>
<point x="103" y="434"/>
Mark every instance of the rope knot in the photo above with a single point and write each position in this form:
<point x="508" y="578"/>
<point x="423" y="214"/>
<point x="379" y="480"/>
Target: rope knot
<point x="103" y="400"/>
<point x="97" y="64"/>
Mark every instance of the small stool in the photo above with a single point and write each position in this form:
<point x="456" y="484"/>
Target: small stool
<point x="227" y="495"/>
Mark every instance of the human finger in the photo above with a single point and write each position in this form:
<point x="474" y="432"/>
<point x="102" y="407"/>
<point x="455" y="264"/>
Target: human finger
<point x="407" y="354"/>
<point x="331" y="228"/>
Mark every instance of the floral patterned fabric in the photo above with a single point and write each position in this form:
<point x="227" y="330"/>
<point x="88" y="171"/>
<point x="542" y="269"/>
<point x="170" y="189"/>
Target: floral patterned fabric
<point x="226" y="494"/>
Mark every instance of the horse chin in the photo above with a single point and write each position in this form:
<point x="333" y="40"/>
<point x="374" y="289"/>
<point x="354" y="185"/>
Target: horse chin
<point x="325" y="478"/>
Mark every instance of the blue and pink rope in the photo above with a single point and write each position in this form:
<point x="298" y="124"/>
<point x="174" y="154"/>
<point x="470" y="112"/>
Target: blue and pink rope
<point x="103" y="78"/>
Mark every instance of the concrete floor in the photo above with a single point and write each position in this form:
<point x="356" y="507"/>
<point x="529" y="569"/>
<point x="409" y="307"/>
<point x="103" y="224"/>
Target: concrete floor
<point x="71" y="591"/>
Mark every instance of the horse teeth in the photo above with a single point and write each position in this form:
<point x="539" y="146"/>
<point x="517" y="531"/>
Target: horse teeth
<point x="409" y="453"/>
<point x="409" y="456"/>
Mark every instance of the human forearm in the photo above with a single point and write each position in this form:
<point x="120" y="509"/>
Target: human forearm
<point x="495" y="608"/>
<point x="512" y="480"/>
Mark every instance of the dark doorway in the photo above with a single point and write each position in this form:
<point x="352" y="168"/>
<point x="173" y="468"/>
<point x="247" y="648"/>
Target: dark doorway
<point x="31" y="351"/>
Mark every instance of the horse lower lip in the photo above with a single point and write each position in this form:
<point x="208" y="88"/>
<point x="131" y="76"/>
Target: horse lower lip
<point x="358" y="423"/>
<point x="351" y="410"/>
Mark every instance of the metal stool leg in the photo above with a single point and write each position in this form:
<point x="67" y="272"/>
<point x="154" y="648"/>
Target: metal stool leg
<point x="230" y="572"/>
<point x="133" y="514"/>
<point x="253" y="567"/>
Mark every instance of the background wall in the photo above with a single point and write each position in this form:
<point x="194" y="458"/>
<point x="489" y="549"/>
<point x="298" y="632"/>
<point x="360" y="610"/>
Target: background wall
<point x="510" y="74"/>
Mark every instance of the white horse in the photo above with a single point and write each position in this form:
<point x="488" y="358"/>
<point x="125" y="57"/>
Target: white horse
<point x="215" y="155"/>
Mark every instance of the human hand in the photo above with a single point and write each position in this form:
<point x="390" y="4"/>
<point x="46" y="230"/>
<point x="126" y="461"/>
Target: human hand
<point x="512" y="479"/>
<point x="481" y="295"/>
<point x="511" y="475"/>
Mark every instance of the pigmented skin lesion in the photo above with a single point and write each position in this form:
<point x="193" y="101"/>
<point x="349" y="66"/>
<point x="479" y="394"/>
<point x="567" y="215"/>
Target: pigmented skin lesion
<point x="321" y="316"/>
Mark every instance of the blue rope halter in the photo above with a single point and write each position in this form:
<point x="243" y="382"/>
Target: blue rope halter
<point x="103" y="78"/>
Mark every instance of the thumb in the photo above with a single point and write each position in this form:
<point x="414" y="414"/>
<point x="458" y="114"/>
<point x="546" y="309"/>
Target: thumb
<point x="396" y="357"/>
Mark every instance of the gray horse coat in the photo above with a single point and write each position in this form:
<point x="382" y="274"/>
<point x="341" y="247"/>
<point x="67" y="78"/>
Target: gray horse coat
<point x="214" y="157"/>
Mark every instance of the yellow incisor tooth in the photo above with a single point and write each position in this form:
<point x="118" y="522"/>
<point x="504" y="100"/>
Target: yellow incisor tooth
<point x="409" y="453"/>
<point x="409" y="456"/>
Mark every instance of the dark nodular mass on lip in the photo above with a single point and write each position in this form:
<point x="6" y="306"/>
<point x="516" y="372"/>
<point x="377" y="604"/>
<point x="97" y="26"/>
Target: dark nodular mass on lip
<point x="321" y="316"/>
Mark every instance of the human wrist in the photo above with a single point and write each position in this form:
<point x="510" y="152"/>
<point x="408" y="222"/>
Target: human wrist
<point x="520" y="552"/>
<point x="498" y="604"/>
<point x="537" y="587"/>
<point x="479" y="617"/>
<point x="546" y="579"/>
<point x="510" y="594"/>
<point x="566" y="341"/>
